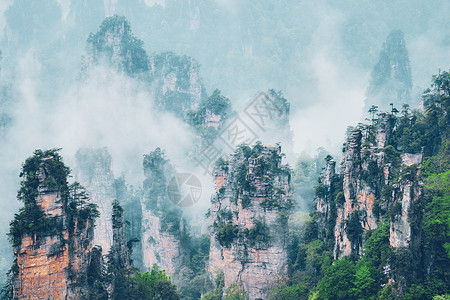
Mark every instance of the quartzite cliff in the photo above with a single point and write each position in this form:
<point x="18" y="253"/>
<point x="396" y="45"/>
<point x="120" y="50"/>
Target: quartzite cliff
<point x="249" y="219"/>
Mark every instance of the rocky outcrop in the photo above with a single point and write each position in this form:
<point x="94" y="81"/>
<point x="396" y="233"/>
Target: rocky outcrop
<point x="115" y="44"/>
<point x="177" y="81"/>
<point x="391" y="76"/>
<point x="379" y="184"/>
<point x="53" y="254"/>
<point x="46" y="268"/>
<point x="162" y="223"/>
<point x="409" y="190"/>
<point x="174" y="80"/>
<point x="130" y="199"/>
<point x="94" y="172"/>
<point x="249" y="219"/>
<point x="121" y="249"/>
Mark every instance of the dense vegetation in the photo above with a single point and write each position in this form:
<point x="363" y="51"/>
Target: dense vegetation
<point x="266" y="166"/>
<point x="131" y="284"/>
<point x="45" y="171"/>
<point x="193" y="280"/>
<point x="233" y="292"/>
<point x="217" y="106"/>
<point x="117" y="29"/>
<point x="420" y="271"/>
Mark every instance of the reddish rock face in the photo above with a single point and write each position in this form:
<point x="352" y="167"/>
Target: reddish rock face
<point x="45" y="265"/>
<point x="41" y="276"/>
<point x="160" y="248"/>
<point x="254" y="265"/>
<point x="53" y="265"/>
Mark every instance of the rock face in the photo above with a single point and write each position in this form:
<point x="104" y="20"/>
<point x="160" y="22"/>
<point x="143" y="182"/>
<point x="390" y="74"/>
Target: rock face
<point x="391" y="77"/>
<point x="53" y="238"/>
<point x="115" y="44"/>
<point x="179" y="88"/>
<point x="94" y="172"/>
<point x="379" y="184"/>
<point x="53" y="265"/>
<point x="174" y="80"/>
<point x="162" y="223"/>
<point x="121" y="250"/>
<point x="130" y="200"/>
<point x="249" y="219"/>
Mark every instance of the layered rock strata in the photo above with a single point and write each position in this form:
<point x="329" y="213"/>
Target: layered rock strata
<point x="249" y="219"/>
<point x="53" y="265"/>
<point x="378" y="184"/>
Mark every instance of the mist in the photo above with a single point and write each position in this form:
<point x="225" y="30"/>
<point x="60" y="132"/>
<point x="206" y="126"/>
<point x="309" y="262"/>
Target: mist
<point x="319" y="54"/>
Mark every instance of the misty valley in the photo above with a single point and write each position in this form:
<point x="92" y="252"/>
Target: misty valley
<point x="224" y="150"/>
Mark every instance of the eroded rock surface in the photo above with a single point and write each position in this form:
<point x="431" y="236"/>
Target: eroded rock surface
<point x="379" y="184"/>
<point x="249" y="219"/>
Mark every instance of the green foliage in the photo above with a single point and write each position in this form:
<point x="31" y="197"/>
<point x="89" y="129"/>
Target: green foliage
<point x="234" y="292"/>
<point x="117" y="214"/>
<point x="258" y="234"/>
<point x="46" y="171"/>
<point x="387" y="192"/>
<point x="346" y="280"/>
<point x="436" y="220"/>
<point x="31" y="220"/>
<point x="78" y="208"/>
<point x="421" y="271"/>
<point x="377" y="249"/>
<point x="226" y="233"/>
<point x="394" y="211"/>
<point x="245" y="201"/>
<point x="217" y="105"/>
<point x="310" y="262"/>
<point x="219" y="283"/>
<point x="283" y="291"/>
<point x="409" y="173"/>
<point x="392" y="156"/>
<point x="437" y="216"/>
<point x="442" y="297"/>
<point x="372" y="175"/>
<point x="223" y="164"/>
<point x="43" y="165"/>
<point x="340" y="198"/>
<point x="338" y="281"/>
<point x="321" y="190"/>
<point x="171" y="222"/>
<point x="354" y="231"/>
<point x="156" y="170"/>
<point x="365" y="282"/>
<point x="134" y="59"/>
<point x="96" y="278"/>
<point x="151" y="285"/>
<point x="415" y="292"/>
<point x="155" y="165"/>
